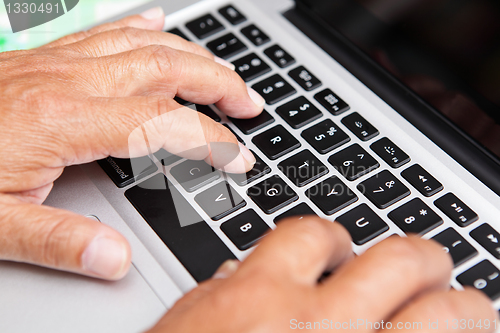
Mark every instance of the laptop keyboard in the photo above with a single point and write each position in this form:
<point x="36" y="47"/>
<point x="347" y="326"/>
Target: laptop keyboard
<point x="289" y="177"/>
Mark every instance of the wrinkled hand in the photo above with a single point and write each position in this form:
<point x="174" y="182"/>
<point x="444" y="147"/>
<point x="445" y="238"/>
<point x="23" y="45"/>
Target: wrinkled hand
<point x="401" y="280"/>
<point x="79" y="99"/>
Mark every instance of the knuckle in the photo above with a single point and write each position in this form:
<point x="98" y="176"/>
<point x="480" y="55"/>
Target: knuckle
<point x="131" y="36"/>
<point x="162" y="62"/>
<point x="406" y="252"/>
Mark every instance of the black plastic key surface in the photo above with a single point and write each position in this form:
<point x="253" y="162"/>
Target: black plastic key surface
<point x="484" y="277"/>
<point x="226" y="46"/>
<point x="325" y="136"/>
<point x="353" y="162"/>
<point x="166" y="158"/>
<point x="330" y="101"/>
<point x="255" y="35"/>
<point x="363" y="224"/>
<point x="303" y="168"/>
<point x="304" y="78"/>
<point x="390" y="153"/>
<point x="280" y="57"/>
<point x="274" y="89"/>
<point x="205" y="26"/>
<point x="383" y="189"/>
<point x="276" y="142"/>
<point x="488" y="238"/>
<point x="423" y="181"/>
<point x="456" y="210"/>
<point x="454" y="244"/>
<point x="124" y="172"/>
<point x="259" y="169"/>
<point x="360" y="127"/>
<point x="179" y="226"/>
<point x="415" y="217"/>
<point x="299" y="212"/>
<point x="331" y="195"/>
<point x="250" y="67"/>
<point x="233" y="15"/>
<point x="177" y="32"/>
<point x="219" y="201"/>
<point x="249" y="126"/>
<point x="245" y="230"/>
<point x="193" y="175"/>
<point x="299" y="112"/>
<point x="272" y="194"/>
<point x="207" y="111"/>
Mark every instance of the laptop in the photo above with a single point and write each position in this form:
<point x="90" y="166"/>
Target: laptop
<point x="345" y="104"/>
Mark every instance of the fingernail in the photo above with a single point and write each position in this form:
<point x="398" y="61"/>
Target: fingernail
<point x="256" y="98"/>
<point x="227" y="269"/>
<point x="247" y="154"/>
<point x="224" y="63"/>
<point x="105" y="257"/>
<point x="153" y="13"/>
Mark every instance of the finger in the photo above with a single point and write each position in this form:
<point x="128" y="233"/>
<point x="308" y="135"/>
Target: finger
<point x="453" y="311"/>
<point x="62" y="240"/>
<point x="137" y="126"/>
<point x="299" y="251"/>
<point x="152" y="19"/>
<point x="160" y="70"/>
<point x="128" y="38"/>
<point x="388" y="274"/>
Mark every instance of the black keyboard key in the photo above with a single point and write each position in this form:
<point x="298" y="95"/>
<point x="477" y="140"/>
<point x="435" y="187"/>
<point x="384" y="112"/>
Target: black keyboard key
<point x="305" y="78"/>
<point x="383" y="189"/>
<point x="249" y="126"/>
<point x="255" y="35"/>
<point x="299" y="211"/>
<point x="415" y="217"/>
<point x="179" y="226"/>
<point x="272" y="194"/>
<point x="245" y="229"/>
<point x="422" y="180"/>
<point x="182" y="102"/>
<point x="205" y="26"/>
<point x="274" y="89"/>
<point x="259" y="169"/>
<point x="488" y="237"/>
<point x="331" y="195"/>
<point x="250" y="67"/>
<point x="353" y="162"/>
<point x="226" y="46"/>
<point x="177" y="32"/>
<point x="279" y="56"/>
<point x="124" y="172"/>
<point x="484" y="277"/>
<point x="166" y="158"/>
<point x="299" y="112"/>
<point x="193" y="175"/>
<point x="220" y="200"/>
<point x="233" y="15"/>
<point x="363" y="224"/>
<point x="276" y="142"/>
<point x="456" y="210"/>
<point x="303" y="168"/>
<point x="325" y="136"/>
<point x="454" y="244"/>
<point x="390" y="153"/>
<point x="332" y="102"/>
<point x="360" y="127"/>
<point x="207" y="111"/>
<point x="234" y="133"/>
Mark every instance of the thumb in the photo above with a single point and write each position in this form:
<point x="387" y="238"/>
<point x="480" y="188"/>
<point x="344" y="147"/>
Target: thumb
<point x="60" y="239"/>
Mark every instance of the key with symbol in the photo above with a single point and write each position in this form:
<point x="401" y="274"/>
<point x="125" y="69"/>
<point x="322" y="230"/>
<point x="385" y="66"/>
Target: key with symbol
<point x="245" y="230"/>
<point x="484" y="277"/>
<point x="226" y="46"/>
<point x="250" y="67"/>
<point x="363" y="224"/>
<point x="299" y="112"/>
<point x="331" y="195"/>
<point x="220" y="200"/>
<point x="488" y="237"/>
<point x="325" y="136"/>
<point x="383" y="189"/>
<point x="279" y="56"/>
<point x="204" y="26"/>
<point x="390" y="153"/>
<point x="276" y="142"/>
<point x="232" y="15"/>
<point x="255" y="35"/>
<point x="332" y="102"/>
<point x="274" y="89"/>
<point x="423" y="181"/>
<point x="272" y="194"/>
<point x="303" y="168"/>
<point x="193" y="175"/>
<point x="456" y="210"/>
<point x="415" y="217"/>
<point x="353" y="162"/>
<point x="454" y="244"/>
<point x="360" y="127"/>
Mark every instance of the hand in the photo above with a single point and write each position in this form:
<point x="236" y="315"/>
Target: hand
<point x="79" y="99"/>
<point x="276" y="289"/>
